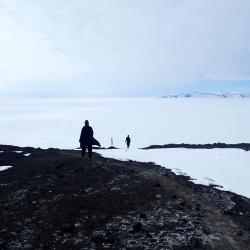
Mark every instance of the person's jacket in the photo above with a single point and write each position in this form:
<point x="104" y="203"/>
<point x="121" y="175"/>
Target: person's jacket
<point x="86" y="135"/>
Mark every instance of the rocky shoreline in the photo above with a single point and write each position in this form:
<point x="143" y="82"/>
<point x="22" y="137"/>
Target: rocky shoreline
<point x="243" y="146"/>
<point x="55" y="199"/>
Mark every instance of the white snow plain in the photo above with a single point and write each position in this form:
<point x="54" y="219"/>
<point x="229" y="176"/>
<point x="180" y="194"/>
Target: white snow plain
<point x="57" y="123"/>
<point x="223" y="167"/>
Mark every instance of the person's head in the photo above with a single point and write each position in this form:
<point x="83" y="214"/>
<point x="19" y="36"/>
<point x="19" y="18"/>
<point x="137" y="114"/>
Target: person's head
<point x="86" y="123"/>
<point x="128" y="136"/>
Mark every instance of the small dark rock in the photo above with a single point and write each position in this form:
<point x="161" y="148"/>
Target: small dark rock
<point x="184" y="220"/>
<point x="153" y="240"/>
<point x="229" y="212"/>
<point x="207" y="230"/>
<point x="2" y="245"/>
<point x="98" y="239"/>
<point x="109" y="240"/>
<point x="182" y="203"/>
<point x="157" y="185"/>
<point x="133" y="242"/>
<point x="137" y="227"/>
<point x="68" y="227"/>
<point x="195" y="242"/>
<point x="143" y="216"/>
<point x="81" y="191"/>
<point x="197" y="222"/>
<point x="199" y="215"/>
<point x="197" y="207"/>
<point x="174" y="196"/>
<point x="45" y="246"/>
<point x="240" y="233"/>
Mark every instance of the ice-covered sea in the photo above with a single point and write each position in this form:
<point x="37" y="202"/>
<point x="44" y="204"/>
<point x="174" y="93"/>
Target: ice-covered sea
<point x="57" y="123"/>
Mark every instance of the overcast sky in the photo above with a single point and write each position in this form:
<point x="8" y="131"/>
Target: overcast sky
<point x="123" y="47"/>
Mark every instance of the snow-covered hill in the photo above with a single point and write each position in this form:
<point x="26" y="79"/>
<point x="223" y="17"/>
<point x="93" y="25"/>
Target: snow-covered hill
<point x="208" y="95"/>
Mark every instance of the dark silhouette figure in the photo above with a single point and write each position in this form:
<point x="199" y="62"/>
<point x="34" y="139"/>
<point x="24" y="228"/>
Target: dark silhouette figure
<point x="86" y="139"/>
<point x="128" y="140"/>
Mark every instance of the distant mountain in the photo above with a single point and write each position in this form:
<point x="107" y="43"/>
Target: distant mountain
<point x="207" y="95"/>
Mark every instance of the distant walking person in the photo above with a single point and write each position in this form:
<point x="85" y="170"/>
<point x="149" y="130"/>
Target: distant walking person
<point x="86" y="139"/>
<point x="128" y="140"/>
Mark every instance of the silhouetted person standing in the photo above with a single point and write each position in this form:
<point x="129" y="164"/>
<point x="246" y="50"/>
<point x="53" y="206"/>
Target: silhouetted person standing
<point x="86" y="139"/>
<point x="128" y="140"/>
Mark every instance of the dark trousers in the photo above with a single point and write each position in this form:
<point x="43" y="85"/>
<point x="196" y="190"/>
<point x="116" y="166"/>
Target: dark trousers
<point x="84" y="147"/>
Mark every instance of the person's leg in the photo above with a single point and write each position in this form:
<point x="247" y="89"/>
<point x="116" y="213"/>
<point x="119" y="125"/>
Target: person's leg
<point x="90" y="150"/>
<point x="83" y="150"/>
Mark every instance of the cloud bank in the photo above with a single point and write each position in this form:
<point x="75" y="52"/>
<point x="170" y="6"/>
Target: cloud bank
<point x="121" y="48"/>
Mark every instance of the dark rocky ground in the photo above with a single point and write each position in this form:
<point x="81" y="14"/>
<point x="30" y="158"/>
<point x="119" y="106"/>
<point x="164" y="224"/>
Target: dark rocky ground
<point x="243" y="146"/>
<point x="54" y="199"/>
